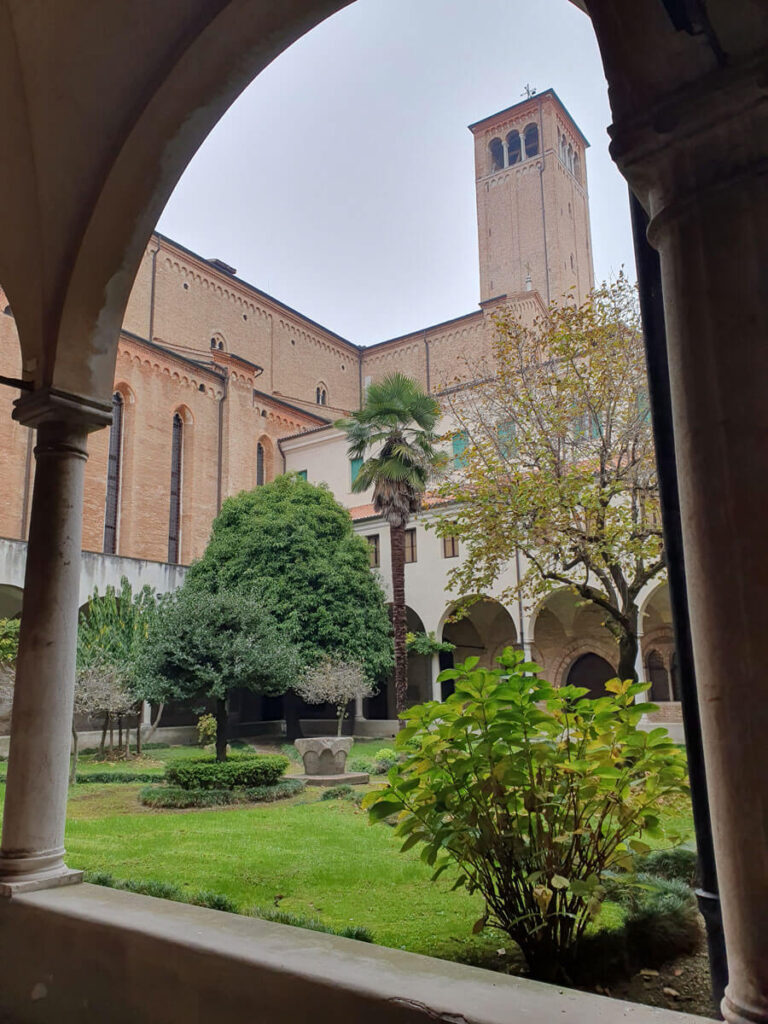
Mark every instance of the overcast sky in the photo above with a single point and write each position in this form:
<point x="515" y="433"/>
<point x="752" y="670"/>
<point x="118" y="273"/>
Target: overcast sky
<point x="342" y="181"/>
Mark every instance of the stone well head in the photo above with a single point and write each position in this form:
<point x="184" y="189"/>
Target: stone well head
<point x="324" y="755"/>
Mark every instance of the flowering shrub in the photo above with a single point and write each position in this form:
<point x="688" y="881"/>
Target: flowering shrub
<point x="533" y="793"/>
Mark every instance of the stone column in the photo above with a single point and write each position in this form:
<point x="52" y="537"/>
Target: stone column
<point x="359" y="714"/>
<point x="36" y="793"/>
<point x="699" y="167"/>
<point x="437" y="688"/>
<point x="639" y="666"/>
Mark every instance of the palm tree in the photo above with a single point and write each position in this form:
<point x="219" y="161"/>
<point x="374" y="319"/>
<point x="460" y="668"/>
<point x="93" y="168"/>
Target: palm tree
<point x="394" y="433"/>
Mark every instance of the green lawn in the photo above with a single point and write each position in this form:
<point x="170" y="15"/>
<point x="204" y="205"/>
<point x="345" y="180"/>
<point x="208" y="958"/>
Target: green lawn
<point x="311" y="857"/>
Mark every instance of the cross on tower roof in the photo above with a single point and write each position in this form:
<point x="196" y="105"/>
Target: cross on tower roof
<point x="528" y="91"/>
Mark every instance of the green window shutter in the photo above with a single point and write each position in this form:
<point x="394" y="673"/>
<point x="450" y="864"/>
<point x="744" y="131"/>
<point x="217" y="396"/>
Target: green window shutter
<point x="302" y="474"/>
<point x="460" y="442"/>
<point x="596" y="427"/>
<point x="506" y="435"/>
<point x="643" y="405"/>
<point x="354" y="468"/>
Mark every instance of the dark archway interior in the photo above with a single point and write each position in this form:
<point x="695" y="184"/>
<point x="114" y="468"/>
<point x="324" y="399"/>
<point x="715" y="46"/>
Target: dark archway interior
<point x="591" y="671"/>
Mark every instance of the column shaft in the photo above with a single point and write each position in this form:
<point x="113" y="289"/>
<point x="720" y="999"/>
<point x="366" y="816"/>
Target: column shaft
<point x="36" y="793"/>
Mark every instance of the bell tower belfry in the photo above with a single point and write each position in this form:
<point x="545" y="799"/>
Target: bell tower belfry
<point x="532" y="202"/>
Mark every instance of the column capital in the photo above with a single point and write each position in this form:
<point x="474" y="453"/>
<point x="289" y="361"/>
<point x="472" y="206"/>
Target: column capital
<point x="51" y="405"/>
<point x="702" y="139"/>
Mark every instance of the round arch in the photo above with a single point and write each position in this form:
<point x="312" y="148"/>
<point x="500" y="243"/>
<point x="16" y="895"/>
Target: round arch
<point x="484" y="631"/>
<point x="11" y="601"/>
<point x="565" y="627"/>
<point x="265" y="460"/>
<point x="591" y="671"/>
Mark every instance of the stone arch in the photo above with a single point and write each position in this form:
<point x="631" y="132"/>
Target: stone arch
<point x="565" y="626"/>
<point x="531" y="140"/>
<point x="514" y="148"/>
<point x="485" y="630"/>
<point x="496" y="154"/>
<point x="590" y="670"/>
<point x="321" y="393"/>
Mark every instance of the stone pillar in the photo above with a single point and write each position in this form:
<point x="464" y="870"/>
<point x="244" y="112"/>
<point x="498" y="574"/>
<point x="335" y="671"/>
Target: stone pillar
<point x="639" y="666"/>
<point x="359" y="714"/>
<point x="437" y="688"/>
<point x="36" y="793"/>
<point x="699" y="167"/>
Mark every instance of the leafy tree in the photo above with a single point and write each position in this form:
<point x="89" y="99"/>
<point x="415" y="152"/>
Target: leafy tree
<point x="334" y="682"/>
<point x="533" y="793"/>
<point x="9" y="648"/>
<point x="559" y="462"/>
<point x="394" y="433"/>
<point x="110" y="635"/>
<point x="291" y="545"/>
<point x="207" y="644"/>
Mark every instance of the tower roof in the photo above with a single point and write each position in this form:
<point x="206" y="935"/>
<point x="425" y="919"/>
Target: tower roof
<point x="531" y="102"/>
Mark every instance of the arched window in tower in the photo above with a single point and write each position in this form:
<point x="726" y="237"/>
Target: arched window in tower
<point x="174" y="519"/>
<point x="577" y="167"/>
<point x="259" y="464"/>
<point x="514" y="148"/>
<point x="531" y="140"/>
<point x="570" y="158"/>
<point x="321" y="394"/>
<point x="562" y="148"/>
<point x="114" y="459"/>
<point x="496" y="148"/>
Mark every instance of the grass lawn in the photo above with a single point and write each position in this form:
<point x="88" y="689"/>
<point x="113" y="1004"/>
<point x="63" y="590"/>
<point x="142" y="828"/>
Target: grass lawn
<point x="310" y="857"/>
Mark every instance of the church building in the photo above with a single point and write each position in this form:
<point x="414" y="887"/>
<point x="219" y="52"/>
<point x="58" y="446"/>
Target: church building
<point x="219" y="387"/>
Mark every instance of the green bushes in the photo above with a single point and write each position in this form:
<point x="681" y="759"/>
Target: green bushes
<point x="534" y="794"/>
<point x="116" y="777"/>
<point x="379" y="764"/>
<point x="174" y="797"/>
<point x="299" y="921"/>
<point x="680" y="864"/>
<point x="238" y="771"/>
<point x="164" y="891"/>
<point x="336" y="792"/>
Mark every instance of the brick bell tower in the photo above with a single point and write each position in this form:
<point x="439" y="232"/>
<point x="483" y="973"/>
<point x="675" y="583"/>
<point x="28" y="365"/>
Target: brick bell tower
<point x="532" y="202"/>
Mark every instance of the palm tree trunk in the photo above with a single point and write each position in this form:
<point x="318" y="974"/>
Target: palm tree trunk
<point x="397" y="547"/>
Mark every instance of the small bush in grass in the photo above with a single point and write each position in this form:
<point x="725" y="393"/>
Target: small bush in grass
<point x="680" y="864"/>
<point x="246" y="770"/>
<point x="214" y="901"/>
<point x="206" y="729"/>
<point x="361" y="764"/>
<point x="336" y="792"/>
<point x="312" y="924"/>
<point x="176" y="798"/>
<point x="288" y="750"/>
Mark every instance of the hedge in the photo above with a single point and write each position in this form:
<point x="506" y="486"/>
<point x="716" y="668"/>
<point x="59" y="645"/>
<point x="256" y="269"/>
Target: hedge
<point x="312" y="924"/>
<point x="175" y="797"/>
<point x="208" y="773"/>
<point x="117" y="776"/>
<point x="164" y="891"/>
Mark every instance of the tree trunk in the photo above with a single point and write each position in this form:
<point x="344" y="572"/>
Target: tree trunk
<point x="628" y="646"/>
<point x="120" y="732"/>
<point x="73" y="765"/>
<point x="153" y="725"/>
<point x="139" y="717"/>
<point x="397" y="547"/>
<point x="221" y="729"/>
<point x="293" y="730"/>
<point x="340" y="712"/>
<point x="104" y="735"/>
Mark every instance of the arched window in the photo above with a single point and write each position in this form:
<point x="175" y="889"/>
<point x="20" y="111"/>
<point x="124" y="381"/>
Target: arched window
<point x="532" y="140"/>
<point x="577" y="167"/>
<point x="113" y="475"/>
<point x="321" y="394"/>
<point x="514" y="148"/>
<point x="562" y="148"/>
<point x="496" y="148"/>
<point x="259" y="464"/>
<point x="174" y="520"/>
<point x="657" y="675"/>
<point x="592" y="672"/>
<point x="570" y="158"/>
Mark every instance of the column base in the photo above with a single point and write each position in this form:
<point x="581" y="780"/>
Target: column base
<point x="739" y="1015"/>
<point x="66" y="876"/>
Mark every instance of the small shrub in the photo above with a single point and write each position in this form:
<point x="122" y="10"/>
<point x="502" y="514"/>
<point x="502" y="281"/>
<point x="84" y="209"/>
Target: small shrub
<point x="288" y="750"/>
<point x="176" y="798"/>
<point x="164" y="891"/>
<point x="214" y="901"/>
<point x="384" y="760"/>
<point x="335" y="792"/>
<point x="360" y="764"/>
<point x="118" y="777"/>
<point x="680" y="864"/>
<point x="241" y="771"/>
<point x="206" y="730"/>
<point x="312" y="924"/>
<point x="533" y="793"/>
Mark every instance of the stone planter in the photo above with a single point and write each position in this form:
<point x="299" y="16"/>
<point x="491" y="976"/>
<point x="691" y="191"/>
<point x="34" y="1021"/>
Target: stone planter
<point x="324" y="755"/>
